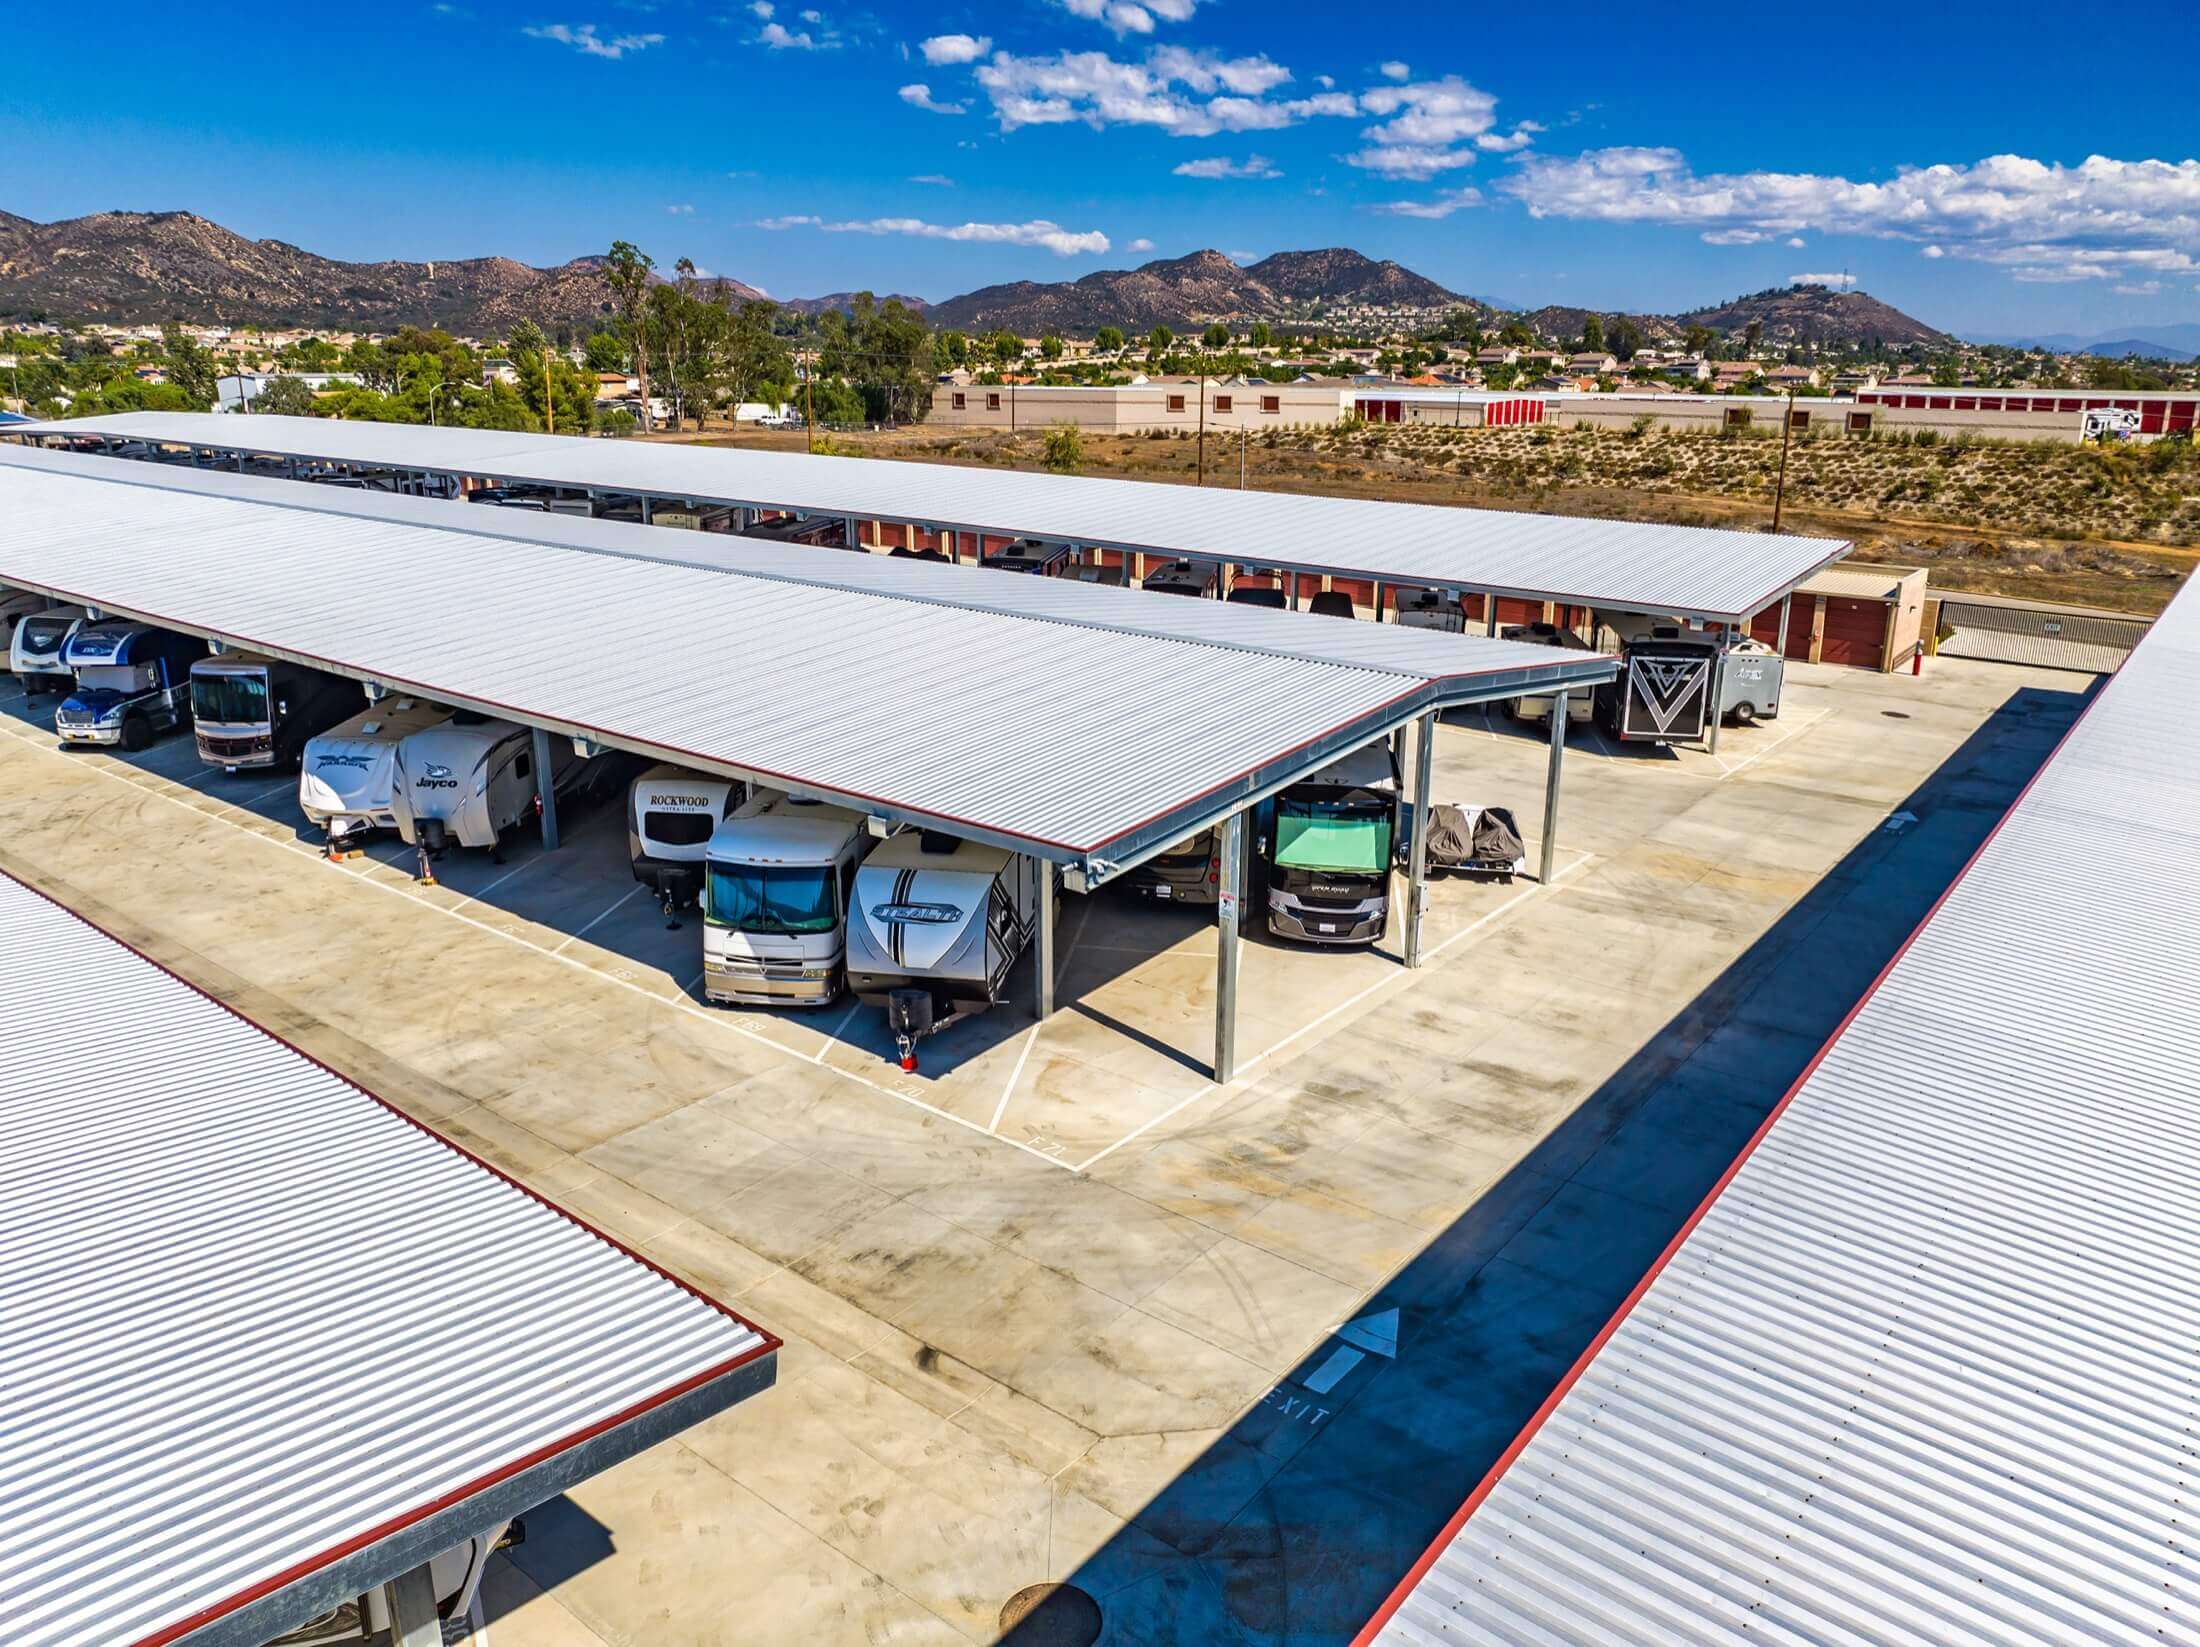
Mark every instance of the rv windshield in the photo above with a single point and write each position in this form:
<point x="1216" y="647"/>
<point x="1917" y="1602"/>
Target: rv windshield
<point x="1339" y="837"/>
<point x="771" y="898"/>
<point x="41" y="635"/>
<point x="230" y="699"/>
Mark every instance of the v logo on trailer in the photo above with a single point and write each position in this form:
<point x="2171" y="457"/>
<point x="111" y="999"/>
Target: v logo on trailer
<point x="1666" y="684"/>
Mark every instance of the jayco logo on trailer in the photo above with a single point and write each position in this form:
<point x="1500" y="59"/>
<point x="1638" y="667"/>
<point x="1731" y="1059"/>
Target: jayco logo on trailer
<point x="437" y="777"/>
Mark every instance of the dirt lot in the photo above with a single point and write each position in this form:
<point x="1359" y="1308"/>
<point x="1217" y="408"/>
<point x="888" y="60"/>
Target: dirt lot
<point x="2110" y="529"/>
<point x="1059" y="1308"/>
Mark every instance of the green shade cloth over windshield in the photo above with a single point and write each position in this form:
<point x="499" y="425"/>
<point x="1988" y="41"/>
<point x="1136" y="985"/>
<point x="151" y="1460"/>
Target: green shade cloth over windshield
<point x="1359" y="846"/>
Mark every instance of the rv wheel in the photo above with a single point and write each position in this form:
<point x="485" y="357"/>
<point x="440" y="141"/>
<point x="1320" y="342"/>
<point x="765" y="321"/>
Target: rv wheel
<point x="137" y="732"/>
<point x="1744" y="713"/>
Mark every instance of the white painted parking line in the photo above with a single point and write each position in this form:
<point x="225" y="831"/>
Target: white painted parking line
<point x="674" y="1003"/>
<point x="1031" y="1036"/>
<point x="832" y="1036"/>
<point x="623" y="899"/>
<point x="1246" y="1066"/>
<point x="526" y="864"/>
<point x="259" y="795"/>
<point x="1730" y="768"/>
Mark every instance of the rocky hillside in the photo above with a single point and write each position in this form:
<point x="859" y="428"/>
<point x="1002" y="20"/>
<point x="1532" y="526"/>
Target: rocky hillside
<point x="845" y="302"/>
<point x="1817" y="314"/>
<point x="1181" y="292"/>
<point x="158" y="266"/>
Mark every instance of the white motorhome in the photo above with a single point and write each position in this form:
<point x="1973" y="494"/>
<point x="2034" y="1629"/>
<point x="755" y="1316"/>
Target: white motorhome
<point x="934" y="927"/>
<point x="671" y="814"/>
<point x="35" y="648"/>
<point x="775" y="901"/>
<point x="248" y="711"/>
<point x="1581" y="707"/>
<point x="470" y="779"/>
<point x="347" y="774"/>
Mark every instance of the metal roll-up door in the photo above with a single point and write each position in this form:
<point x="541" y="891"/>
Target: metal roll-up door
<point x="1855" y="633"/>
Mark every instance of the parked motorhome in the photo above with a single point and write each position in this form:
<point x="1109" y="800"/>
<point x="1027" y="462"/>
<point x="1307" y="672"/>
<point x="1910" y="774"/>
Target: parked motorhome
<point x="1114" y="574"/>
<point x="16" y="605"/>
<point x="347" y="775"/>
<point x="1190" y="872"/>
<point x="1580" y="706"/>
<point x="825" y="531"/>
<point x="1431" y="609"/>
<point x="249" y="711"/>
<point x="35" y="648"/>
<point x="1047" y="560"/>
<point x="934" y="926"/>
<point x="133" y="682"/>
<point x="1326" y="845"/>
<point x="467" y="781"/>
<point x="538" y="499"/>
<point x="671" y="814"/>
<point x="775" y="902"/>
<point x="1332" y="603"/>
<point x="1182" y="577"/>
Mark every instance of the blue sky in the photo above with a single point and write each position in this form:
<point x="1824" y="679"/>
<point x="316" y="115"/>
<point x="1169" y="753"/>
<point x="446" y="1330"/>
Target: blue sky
<point x="1988" y="169"/>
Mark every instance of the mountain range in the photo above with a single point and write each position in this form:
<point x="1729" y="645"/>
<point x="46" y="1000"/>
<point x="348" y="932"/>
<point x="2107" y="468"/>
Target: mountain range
<point x="142" y="267"/>
<point x="2177" y="341"/>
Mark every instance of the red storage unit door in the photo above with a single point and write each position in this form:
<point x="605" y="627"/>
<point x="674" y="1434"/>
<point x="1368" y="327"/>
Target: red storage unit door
<point x="1518" y="611"/>
<point x="1361" y="591"/>
<point x="1766" y="627"/>
<point x="1856" y="632"/>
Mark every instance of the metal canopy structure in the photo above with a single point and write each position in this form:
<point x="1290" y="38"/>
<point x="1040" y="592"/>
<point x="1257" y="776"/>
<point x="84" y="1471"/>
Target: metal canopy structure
<point x="269" y="1344"/>
<point x="905" y="690"/>
<point x="1920" y="1370"/>
<point x="1695" y="572"/>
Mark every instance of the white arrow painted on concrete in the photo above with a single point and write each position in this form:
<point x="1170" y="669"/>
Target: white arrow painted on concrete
<point x="1899" y="822"/>
<point x="1370" y="1335"/>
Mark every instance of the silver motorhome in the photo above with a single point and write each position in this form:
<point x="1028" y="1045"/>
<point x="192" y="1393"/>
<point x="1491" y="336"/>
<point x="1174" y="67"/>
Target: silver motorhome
<point x="775" y="901"/>
<point x="1326" y="845"/>
<point x="249" y="711"/>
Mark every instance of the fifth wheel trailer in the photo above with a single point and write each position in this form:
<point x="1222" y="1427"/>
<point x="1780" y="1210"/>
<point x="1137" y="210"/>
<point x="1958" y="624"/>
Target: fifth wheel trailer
<point x="347" y="775"/>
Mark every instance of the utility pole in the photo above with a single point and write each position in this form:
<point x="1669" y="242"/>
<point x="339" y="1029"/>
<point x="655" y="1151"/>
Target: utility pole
<point x="1242" y="435"/>
<point x="809" y="404"/>
<point x="1203" y="417"/>
<point x="550" y="397"/>
<point x="1779" y="487"/>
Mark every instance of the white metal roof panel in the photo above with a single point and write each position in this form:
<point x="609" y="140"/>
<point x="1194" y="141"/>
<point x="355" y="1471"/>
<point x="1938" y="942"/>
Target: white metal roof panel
<point x="1921" y="1370"/>
<point x="1630" y="565"/>
<point x="252" y="1319"/>
<point x="916" y="689"/>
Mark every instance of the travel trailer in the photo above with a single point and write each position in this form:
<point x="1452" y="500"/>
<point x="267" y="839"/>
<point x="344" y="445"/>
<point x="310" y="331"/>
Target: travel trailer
<point x="15" y="606"/>
<point x="1182" y="577"/>
<point x="1431" y="609"/>
<point x="934" y="926"/>
<point x="467" y="781"/>
<point x="1581" y="707"/>
<point x="825" y="531"/>
<point x="1750" y="681"/>
<point x="347" y="775"/>
<point x="1268" y="595"/>
<point x="249" y="711"/>
<point x="1047" y="560"/>
<point x="1663" y="691"/>
<point x="133" y="682"/>
<point x="1190" y="872"/>
<point x="34" y="649"/>
<point x="1326" y="845"/>
<point x="1332" y="603"/>
<point x="671" y="814"/>
<point x="775" y="902"/>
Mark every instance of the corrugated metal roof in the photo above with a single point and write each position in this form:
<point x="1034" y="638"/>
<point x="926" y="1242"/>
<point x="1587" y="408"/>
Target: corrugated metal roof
<point x="1854" y="582"/>
<point x="1625" y="564"/>
<point x="1047" y="714"/>
<point x="254" y="1322"/>
<point x="1921" y="1371"/>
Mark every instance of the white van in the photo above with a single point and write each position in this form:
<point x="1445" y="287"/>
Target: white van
<point x="671" y="814"/>
<point x="936" y="923"/>
<point x="35" y="648"/>
<point x="346" y="775"/>
<point x="775" y="902"/>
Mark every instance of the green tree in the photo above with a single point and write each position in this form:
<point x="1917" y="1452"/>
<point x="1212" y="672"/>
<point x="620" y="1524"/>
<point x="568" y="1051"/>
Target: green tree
<point x="626" y="269"/>
<point x="286" y="397"/>
<point x="1051" y="346"/>
<point x="1216" y="336"/>
<point x="1699" y="338"/>
<point x="1260" y="337"/>
<point x="1750" y="336"/>
<point x="607" y="352"/>
<point x="1108" y="340"/>
<point x="191" y="367"/>
<point x="1592" y="334"/>
<point x="1515" y="335"/>
<point x="556" y="394"/>
<point x="1065" y="449"/>
<point x="1158" y="342"/>
<point x="1626" y="340"/>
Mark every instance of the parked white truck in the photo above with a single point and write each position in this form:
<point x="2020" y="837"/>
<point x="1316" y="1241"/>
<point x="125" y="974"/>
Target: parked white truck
<point x="934" y="927"/>
<point x="775" y="902"/>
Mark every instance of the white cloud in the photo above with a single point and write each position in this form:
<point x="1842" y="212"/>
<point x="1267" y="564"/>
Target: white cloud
<point x="934" y="180"/>
<point x="1395" y="70"/>
<point x="681" y="210"/>
<point x="1217" y="167"/>
<point x="1184" y="92"/>
<point x="2044" y="222"/>
<point x="1242" y="258"/>
<point x="1431" y="127"/>
<point x="762" y="10"/>
<point x="1040" y="232"/>
<point x="2139" y="288"/>
<point x="1141" y="244"/>
<point x="919" y="95"/>
<point x="583" y="38"/>
<point x="1443" y="205"/>
<point x="1734" y="237"/>
<point x="781" y="38"/>
<point x="1796" y="242"/>
<point x="1839" y="282"/>
<point x="955" y="48"/>
<point x="1123" y="17"/>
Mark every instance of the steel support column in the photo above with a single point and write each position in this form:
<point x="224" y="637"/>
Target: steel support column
<point x="1378" y="603"/>
<point x="1712" y="713"/>
<point x="1781" y="646"/>
<point x="546" y="788"/>
<point x="1424" y="768"/>
<point x="1550" y="788"/>
<point x="1489" y="614"/>
<point x="1045" y="942"/>
<point x="413" y="1620"/>
<point x="648" y="512"/>
<point x="1231" y="893"/>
